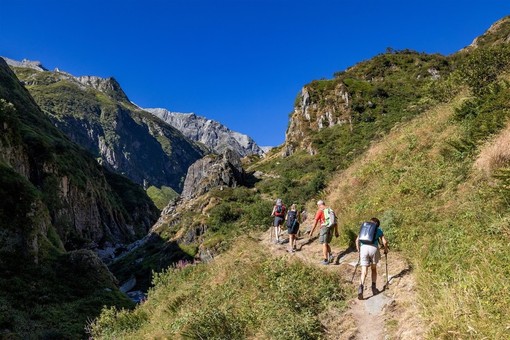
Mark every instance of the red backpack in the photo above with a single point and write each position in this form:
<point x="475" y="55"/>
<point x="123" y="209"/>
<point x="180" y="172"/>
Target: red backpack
<point x="279" y="210"/>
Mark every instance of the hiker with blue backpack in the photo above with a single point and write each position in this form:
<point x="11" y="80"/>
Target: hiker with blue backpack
<point x="279" y="217"/>
<point x="292" y="220"/>
<point x="367" y="244"/>
<point x="326" y="218"/>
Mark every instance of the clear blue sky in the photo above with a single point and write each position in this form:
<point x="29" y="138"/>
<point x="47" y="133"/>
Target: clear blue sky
<point x="239" y="62"/>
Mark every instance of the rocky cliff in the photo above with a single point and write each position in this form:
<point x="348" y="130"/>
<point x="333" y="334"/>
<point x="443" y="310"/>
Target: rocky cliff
<point x="214" y="135"/>
<point x="213" y="171"/>
<point x="79" y="196"/>
<point x="56" y="200"/>
<point x="96" y="113"/>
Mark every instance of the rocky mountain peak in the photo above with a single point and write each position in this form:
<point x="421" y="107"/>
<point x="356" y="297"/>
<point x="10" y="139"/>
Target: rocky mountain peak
<point x="35" y="65"/>
<point x="498" y="33"/>
<point x="109" y="86"/>
<point x="211" y="133"/>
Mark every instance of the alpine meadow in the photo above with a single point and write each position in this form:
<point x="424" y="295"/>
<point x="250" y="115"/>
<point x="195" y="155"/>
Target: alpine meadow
<point x="421" y="141"/>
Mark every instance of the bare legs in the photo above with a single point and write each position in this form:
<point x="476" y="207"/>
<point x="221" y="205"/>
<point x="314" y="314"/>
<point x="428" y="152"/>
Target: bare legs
<point x="364" y="272"/>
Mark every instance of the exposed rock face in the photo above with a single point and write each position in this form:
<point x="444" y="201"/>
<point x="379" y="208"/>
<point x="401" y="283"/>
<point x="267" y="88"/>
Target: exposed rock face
<point x="35" y="65"/>
<point x="314" y="111"/>
<point x="109" y="86"/>
<point x="67" y="192"/>
<point x="209" y="132"/>
<point x="213" y="171"/>
<point x="96" y="113"/>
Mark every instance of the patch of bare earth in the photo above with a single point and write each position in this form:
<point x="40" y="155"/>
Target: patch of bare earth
<point x="393" y="313"/>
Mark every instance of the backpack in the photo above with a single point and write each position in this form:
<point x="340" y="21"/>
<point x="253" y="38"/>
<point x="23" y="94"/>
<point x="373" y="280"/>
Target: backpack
<point x="279" y="210"/>
<point x="330" y="218"/>
<point x="367" y="233"/>
<point x="291" y="218"/>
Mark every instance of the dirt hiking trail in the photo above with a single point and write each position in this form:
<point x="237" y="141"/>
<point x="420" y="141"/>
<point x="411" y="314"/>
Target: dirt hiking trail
<point x="393" y="313"/>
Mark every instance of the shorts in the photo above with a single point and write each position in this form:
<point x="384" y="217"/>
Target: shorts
<point x="369" y="255"/>
<point x="294" y="229"/>
<point x="278" y="221"/>
<point x="325" y="235"/>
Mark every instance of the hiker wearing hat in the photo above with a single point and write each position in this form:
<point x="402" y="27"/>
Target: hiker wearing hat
<point x="367" y="244"/>
<point x="327" y="220"/>
<point x="279" y="217"/>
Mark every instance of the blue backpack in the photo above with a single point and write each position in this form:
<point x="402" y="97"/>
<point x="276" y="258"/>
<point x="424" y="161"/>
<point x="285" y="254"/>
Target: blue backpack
<point x="291" y="218"/>
<point x="367" y="233"/>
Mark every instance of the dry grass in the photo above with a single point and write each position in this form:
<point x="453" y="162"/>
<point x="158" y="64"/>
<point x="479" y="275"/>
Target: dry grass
<point x="495" y="153"/>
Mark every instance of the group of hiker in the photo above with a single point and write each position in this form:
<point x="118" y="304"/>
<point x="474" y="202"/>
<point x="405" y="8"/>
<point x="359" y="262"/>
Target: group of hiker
<point x="367" y="242"/>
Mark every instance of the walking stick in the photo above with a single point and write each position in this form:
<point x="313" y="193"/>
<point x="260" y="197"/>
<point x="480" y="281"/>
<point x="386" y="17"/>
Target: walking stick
<point x="387" y="277"/>
<point x="356" y="267"/>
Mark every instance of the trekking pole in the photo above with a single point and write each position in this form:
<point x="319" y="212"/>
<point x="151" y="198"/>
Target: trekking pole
<point x="356" y="267"/>
<point x="387" y="277"/>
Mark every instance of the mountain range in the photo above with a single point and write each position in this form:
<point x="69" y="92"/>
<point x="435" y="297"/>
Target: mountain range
<point x="96" y="113"/>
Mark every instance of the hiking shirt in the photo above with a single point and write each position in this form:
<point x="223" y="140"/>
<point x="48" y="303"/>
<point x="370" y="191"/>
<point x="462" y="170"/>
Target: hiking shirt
<point x="379" y="233"/>
<point x="319" y="216"/>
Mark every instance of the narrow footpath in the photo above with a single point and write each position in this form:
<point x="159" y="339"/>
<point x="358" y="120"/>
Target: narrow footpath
<point x="393" y="313"/>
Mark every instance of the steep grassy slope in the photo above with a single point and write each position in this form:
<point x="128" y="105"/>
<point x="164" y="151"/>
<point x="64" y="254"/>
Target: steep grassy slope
<point x="244" y="293"/>
<point x="444" y="214"/>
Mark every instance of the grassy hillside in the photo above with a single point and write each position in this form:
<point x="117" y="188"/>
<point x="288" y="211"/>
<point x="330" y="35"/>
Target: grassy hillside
<point x="384" y="91"/>
<point x="450" y="219"/>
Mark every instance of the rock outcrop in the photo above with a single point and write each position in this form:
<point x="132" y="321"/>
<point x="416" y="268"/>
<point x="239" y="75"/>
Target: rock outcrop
<point x="314" y="111"/>
<point x="213" y="171"/>
<point x="498" y="33"/>
<point x="35" y="65"/>
<point x="212" y="134"/>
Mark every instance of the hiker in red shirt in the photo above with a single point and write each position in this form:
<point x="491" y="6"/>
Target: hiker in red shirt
<point x="325" y="233"/>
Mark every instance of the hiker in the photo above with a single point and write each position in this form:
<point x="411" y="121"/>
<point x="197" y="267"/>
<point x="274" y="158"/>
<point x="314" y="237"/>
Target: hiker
<point x="367" y="244"/>
<point x="279" y="217"/>
<point x="327" y="222"/>
<point x="292" y="220"/>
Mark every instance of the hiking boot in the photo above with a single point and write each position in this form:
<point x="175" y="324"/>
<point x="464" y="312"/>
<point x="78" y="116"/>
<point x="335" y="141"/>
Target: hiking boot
<point x="325" y="262"/>
<point x="330" y="257"/>
<point x="360" y="292"/>
<point x="374" y="289"/>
